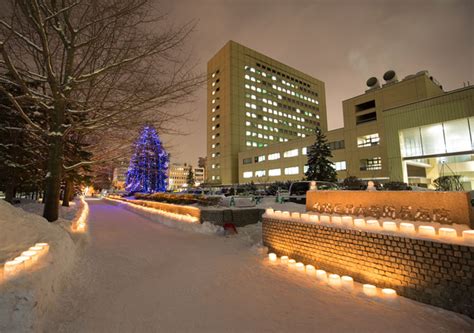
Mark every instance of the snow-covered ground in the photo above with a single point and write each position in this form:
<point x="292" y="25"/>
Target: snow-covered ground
<point x="36" y="207"/>
<point x="25" y="299"/>
<point x="138" y="275"/>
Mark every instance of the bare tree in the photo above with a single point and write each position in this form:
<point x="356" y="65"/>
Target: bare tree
<point x="100" y="68"/>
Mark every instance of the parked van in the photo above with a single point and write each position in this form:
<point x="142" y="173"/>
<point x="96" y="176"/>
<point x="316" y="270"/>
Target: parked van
<point x="298" y="189"/>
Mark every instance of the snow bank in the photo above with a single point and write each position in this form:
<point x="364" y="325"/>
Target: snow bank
<point x="269" y="202"/>
<point x="25" y="299"/>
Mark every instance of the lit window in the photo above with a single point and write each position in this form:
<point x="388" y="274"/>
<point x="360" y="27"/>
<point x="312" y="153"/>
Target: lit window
<point x="292" y="170"/>
<point x="274" y="172"/>
<point x="260" y="173"/>
<point x="291" y="153"/>
<point x="260" y="158"/>
<point x="339" y="166"/>
<point x="248" y="174"/>
<point x="371" y="164"/>
<point x="304" y="151"/>
<point x="368" y="140"/>
<point x="274" y="156"/>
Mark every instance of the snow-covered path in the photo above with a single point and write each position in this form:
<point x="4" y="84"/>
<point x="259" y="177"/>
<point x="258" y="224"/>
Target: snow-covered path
<point x="141" y="276"/>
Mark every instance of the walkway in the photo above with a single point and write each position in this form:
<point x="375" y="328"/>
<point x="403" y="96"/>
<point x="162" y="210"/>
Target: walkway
<point x="140" y="276"/>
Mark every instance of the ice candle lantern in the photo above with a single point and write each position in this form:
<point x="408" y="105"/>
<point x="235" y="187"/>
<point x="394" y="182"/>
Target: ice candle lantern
<point x="347" y="221"/>
<point x="447" y="233"/>
<point x="269" y="211"/>
<point x="369" y="289"/>
<point x="295" y="216"/>
<point x="373" y="224"/>
<point x="310" y="270"/>
<point x="325" y="218"/>
<point x="408" y="228"/>
<point x="389" y="293"/>
<point x="426" y="230"/>
<point x="299" y="266"/>
<point x="272" y="257"/>
<point x="321" y="275"/>
<point x="336" y="220"/>
<point x="33" y="255"/>
<point x="314" y="218"/>
<point x="291" y="263"/>
<point x="347" y="282"/>
<point x="45" y="246"/>
<point x="334" y="280"/>
<point x="468" y="236"/>
<point x="284" y="259"/>
<point x="389" y="226"/>
<point x="359" y="223"/>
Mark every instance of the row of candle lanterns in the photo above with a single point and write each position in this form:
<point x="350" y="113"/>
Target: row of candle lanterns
<point x="24" y="261"/>
<point x="405" y="228"/>
<point x="335" y="280"/>
<point x="164" y="213"/>
<point x="80" y="224"/>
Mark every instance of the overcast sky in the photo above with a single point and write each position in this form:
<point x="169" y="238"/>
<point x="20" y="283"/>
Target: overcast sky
<point x="341" y="42"/>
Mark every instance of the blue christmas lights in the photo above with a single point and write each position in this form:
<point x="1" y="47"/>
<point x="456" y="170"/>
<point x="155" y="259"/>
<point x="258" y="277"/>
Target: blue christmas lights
<point x="148" y="169"/>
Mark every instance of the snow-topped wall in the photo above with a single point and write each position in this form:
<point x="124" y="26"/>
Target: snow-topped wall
<point x="429" y="271"/>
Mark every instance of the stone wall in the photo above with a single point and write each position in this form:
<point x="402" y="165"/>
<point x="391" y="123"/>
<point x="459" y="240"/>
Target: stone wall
<point x="238" y="216"/>
<point x="434" y="273"/>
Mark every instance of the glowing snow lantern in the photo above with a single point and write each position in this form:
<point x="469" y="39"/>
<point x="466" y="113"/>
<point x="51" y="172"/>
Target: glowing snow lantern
<point x="37" y="249"/>
<point x="277" y="214"/>
<point x="12" y="267"/>
<point x="447" y="233"/>
<point x="468" y="236"/>
<point x="26" y="260"/>
<point x="32" y="254"/>
<point x="310" y="270"/>
<point x="272" y="257"/>
<point x="336" y="220"/>
<point x="299" y="266"/>
<point x="325" y="218"/>
<point x="314" y="218"/>
<point x="304" y="217"/>
<point x="369" y="289"/>
<point x="45" y="246"/>
<point x="291" y="263"/>
<point x="408" y="228"/>
<point x="285" y="215"/>
<point x="347" y="282"/>
<point x="284" y="259"/>
<point x="373" y="224"/>
<point x="321" y="275"/>
<point x="389" y="293"/>
<point x="389" y="226"/>
<point x="347" y="221"/>
<point x="426" y="230"/>
<point x="359" y="223"/>
<point x="334" y="280"/>
<point x="269" y="211"/>
<point x="295" y="216"/>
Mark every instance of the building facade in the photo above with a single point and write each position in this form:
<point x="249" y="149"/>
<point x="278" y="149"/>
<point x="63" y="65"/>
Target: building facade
<point x="253" y="102"/>
<point x="178" y="176"/>
<point x="408" y="130"/>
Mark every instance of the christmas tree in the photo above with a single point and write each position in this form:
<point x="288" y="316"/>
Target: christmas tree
<point x="148" y="170"/>
<point x="319" y="165"/>
<point x="190" y="178"/>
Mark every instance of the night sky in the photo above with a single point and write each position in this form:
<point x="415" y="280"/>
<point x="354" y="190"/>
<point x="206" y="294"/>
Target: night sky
<point x="342" y="43"/>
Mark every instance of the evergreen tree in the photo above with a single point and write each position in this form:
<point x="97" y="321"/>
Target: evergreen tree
<point x="148" y="169"/>
<point x="319" y="165"/>
<point x="190" y="178"/>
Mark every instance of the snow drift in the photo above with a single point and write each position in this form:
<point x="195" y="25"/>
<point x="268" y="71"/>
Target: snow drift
<point x="25" y="299"/>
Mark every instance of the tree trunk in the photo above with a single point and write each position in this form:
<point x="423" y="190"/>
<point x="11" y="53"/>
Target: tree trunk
<point x="67" y="192"/>
<point x="10" y="191"/>
<point x="53" y="178"/>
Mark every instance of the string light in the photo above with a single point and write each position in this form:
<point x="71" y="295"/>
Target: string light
<point x="148" y="167"/>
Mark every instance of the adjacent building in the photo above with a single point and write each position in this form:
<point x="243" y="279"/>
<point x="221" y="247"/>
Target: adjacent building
<point x="406" y="130"/>
<point x="254" y="102"/>
<point x="178" y="176"/>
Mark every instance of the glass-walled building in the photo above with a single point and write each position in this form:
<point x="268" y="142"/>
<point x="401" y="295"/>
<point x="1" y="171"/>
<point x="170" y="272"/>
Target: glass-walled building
<point x="433" y="138"/>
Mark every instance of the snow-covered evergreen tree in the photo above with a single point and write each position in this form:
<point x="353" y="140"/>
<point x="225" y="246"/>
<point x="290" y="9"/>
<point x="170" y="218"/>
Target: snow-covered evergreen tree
<point x="148" y="169"/>
<point x="190" y="178"/>
<point x="319" y="165"/>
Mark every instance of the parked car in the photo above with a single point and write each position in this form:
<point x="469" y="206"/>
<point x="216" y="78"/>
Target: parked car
<point x="298" y="189"/>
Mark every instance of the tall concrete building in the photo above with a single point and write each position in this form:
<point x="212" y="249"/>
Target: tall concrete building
<point x="254" y="101"/>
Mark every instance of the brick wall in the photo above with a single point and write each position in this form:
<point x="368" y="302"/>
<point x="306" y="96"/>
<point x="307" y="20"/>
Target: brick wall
<point x="430" y="272"/>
